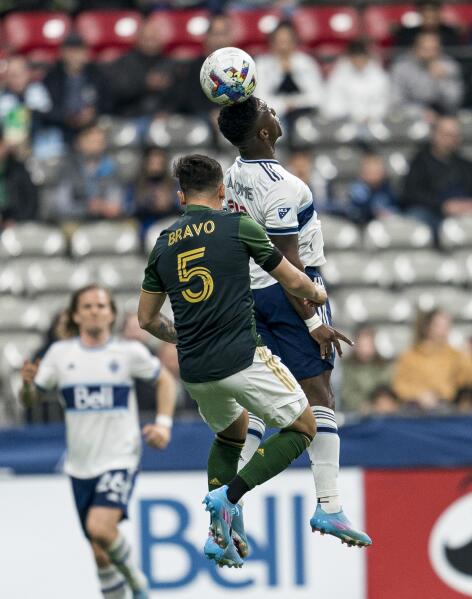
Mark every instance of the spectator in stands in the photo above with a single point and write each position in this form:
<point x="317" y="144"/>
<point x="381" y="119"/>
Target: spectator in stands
<point x="362" y="372"/>
<point x="56" y="332"/>
<point x="301" y="165"/>
<point x="430" y="22"/>
<point x="18" y="194"/>
<point x="155" y="193"/>
<point x="357" y="88"/>
<point x="76" y="87"/>
<point x="371" y="196"/>
<point x="142" y="81"/>
<point x="439" y="182"/>
<point x="431" y="371"/>
<point x="23" y="103"/>
<point x="425" y="78"/>
<point x="289" y="80"/>
<point x="383" y="401"/>
<point x="88" y="187"/>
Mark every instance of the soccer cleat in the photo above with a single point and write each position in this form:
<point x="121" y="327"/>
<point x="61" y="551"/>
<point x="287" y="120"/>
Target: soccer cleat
<point x="141" y="594"/>
<point x="222" y="512"/>
<point x="239" y="534"/>
<point x="223" y="557"/>
<point x="338" y="525"/>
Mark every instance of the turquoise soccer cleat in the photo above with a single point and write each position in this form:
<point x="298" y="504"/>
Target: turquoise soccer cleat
<point x="239" y="534"/>
<point x="222" y="512"/>
<point x="338" y="525"/>
<point x="141" y="594"/>
<point x="223" y="557"/>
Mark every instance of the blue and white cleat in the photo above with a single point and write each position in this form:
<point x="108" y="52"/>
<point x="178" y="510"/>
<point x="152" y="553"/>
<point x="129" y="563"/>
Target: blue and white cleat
<point x="338" y="525"/>
<point x="222" y="512"/>
<point x="223" y="557"/>
<point x="141" y="594"/>
<point x="239" y="534"/>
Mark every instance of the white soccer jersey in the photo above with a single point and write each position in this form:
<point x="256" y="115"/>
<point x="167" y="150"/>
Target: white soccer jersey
<point x="278" y="201"/>
<point x="97" y="388"/>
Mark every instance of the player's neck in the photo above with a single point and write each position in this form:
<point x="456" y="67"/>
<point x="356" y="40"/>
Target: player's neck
<point x="91" y="340"/>
<point x="257" y="152"/>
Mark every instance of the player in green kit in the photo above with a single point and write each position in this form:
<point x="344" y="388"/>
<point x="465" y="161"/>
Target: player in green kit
<point x="202" y="263"/>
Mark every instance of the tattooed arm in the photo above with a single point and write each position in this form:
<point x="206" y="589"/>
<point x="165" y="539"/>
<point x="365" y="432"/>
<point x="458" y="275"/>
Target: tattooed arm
<point x="151" y="320"/>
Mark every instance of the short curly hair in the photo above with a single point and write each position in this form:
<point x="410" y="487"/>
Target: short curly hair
<point x="197" y="173"/>
<point x="237" y="120"/>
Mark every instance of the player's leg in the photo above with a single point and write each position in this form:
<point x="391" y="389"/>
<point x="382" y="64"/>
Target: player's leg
<point x="113" y="584"/>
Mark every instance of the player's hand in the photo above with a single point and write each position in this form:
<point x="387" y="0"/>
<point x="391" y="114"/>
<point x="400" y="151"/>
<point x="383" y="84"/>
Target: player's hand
<point x="157" y="435"/>
<point x="28" y="371"/>
<point x="326" y="337"/>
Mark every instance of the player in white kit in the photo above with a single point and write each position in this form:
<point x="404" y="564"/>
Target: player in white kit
<point x="95" y="373"/>
<point x="299" y="334"/>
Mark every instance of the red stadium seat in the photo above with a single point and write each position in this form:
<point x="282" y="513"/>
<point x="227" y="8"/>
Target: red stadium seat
<point x="25" y="31"/>
<point x="380" y="21"/>
<point x="108" y="29"/>
<point x="182" y="28"/>
<point x="325" y="24"/>
<point x="251" y="27"/>
<point x="458" y="14"/>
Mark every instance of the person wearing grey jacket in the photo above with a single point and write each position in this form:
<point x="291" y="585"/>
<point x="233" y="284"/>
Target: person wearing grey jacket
<point x="426" y="78"/>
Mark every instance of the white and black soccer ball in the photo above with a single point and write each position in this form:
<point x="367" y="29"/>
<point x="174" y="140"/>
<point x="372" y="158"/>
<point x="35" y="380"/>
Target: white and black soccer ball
<point x="228" y="76"/>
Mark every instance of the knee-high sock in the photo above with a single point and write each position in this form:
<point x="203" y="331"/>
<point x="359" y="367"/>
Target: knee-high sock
<point x="324" y="457"/>
<point x="120" y="554"/>
<point x="255" y="432"/>
<point x="112" y="583"/>
<point x="272" y="457"/>
<point x="223" y="461"/>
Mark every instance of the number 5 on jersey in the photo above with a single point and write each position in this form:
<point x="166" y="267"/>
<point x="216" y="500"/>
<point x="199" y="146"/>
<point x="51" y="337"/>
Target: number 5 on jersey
<point x="186" y="274"/>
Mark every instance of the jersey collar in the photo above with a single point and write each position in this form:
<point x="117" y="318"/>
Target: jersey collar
<point x="266" y="160"/>
<point x="196" y="208"/>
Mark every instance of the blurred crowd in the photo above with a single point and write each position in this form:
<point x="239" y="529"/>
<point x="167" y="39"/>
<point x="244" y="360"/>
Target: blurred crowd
<point x="61" y="110"/>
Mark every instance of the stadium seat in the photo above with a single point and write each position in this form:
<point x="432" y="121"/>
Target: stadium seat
<point x="355" y="269"/>
<point x="340" y="234"/>
<point x="459" y="15"/>
<point x="18" y="314"/>
<point x="184" y="28"/>
<point x="400" y="127"/>
<point x="49" y="305"/>
<point x="457" y="302"/>
<point x="391" y="340"/>
<point x="178" y="131"/>
<point x="464" y="260"/>
<point x="129" y="163"/>
<point x="341" y="163"/>
<point x="250" y="28"/>
<point x="105" y="238"/>
<point x="465" y="120"/>
<point x="11" y="280"/>
<point x="325" y="24"/>
<point x="155" y="230"/>
<point x="381" y="21"/>
<point x="397" y="159"/>
<point x="103" y="29"/>
<point x="456" y="233"/>
<point x="126" y="302"/>
<point x="56" y="274"/>
<point x="309" y="131"/>
<point x="45" y="172"/>
<point x="396" y="232"/>
<point x="374" y="305"/>
<point x="423" y="267"/>
<point x="124" y="273"/>
<point x="15" y="349"/>
<point x="122" y="134"/>
<point x="32" y="239"/>
<point x="25" y="31"/>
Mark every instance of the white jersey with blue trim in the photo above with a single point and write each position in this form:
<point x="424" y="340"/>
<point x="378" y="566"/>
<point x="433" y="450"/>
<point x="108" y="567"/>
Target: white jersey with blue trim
<point x="281" y="203"/>
<point x="97" y="389"/>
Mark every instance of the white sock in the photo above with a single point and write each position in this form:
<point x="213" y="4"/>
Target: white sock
<point x="120" y="554"/>
<point x="112" y="583"/>
<point x="324" y="457"/>
<point x="255" y="432"/>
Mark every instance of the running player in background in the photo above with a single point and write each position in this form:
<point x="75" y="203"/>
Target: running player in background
<point x="94" y="372"/>
<point x="301" y="335"/>
<point x="202" y="263"/>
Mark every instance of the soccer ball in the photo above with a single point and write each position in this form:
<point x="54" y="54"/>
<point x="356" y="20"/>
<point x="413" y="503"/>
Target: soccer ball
<point x="228" y="76"/>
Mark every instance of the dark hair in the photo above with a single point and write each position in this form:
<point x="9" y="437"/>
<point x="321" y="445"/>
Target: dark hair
<point x="71" y="327"/>
<point x="357" y="47"/>
<point x="380" y="390"/>
<point x="237" y="120"/>
<point x="197" y="173"/>
<point x="423" y="322"/>
<point x="285" y="24"/>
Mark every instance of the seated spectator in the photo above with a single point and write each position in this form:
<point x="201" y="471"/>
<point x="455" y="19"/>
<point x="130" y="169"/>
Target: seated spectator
<point x="88" y="185"/>
<point x="439" y="182"/>
<point x="430" y="22"/>
<point x="362" y="372"/>
<point x="383" y="401"/>
<point x="431" y="372"/>
<point x="425" y="77"/>
<point x="357" y="88"/>
<point x="155" y="194"/>
<point x="371" y="196"/>
<point x="301" y="165"/>
<point x="141" y="82"/>
<point x="76" y="87"/>
<point x="23" y="103"/>
<point x="289" y="80"/>
<point x="18" y="194"/>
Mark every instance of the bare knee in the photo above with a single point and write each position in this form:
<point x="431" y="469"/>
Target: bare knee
<point x="101" y="558"/>
<point x="305" y="423"/>
<point x="100" y="531"/>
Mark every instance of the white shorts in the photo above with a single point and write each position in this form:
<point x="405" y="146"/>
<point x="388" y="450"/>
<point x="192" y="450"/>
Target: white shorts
<point x="266" y="388"/>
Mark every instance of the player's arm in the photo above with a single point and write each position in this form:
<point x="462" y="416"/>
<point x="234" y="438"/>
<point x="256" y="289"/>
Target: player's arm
<point x="296" y="282"/>
<point x="29" y="393"/>
<point x="158" y="434"/>
<point x="150" y="319"/>
<point x="39" y="378"/>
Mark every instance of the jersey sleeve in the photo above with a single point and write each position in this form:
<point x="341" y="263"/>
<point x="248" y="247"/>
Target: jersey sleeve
<point x="143" y="364"/>
<point x="281" y="208"/>
<point x="260" y="247"/>
<point x="46" y="378"/>
<point x="152" y="282"/>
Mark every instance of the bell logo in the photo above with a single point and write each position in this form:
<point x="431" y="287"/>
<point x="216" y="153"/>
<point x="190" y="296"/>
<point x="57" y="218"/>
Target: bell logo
<point x="450" y="546"/>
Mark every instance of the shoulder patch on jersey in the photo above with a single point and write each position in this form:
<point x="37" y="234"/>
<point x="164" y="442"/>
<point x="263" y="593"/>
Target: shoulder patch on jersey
<point x="283" y="212"/>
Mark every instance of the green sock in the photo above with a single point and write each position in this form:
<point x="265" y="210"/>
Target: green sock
<point x="273" y="456"/>
<point x="223" y="461"/>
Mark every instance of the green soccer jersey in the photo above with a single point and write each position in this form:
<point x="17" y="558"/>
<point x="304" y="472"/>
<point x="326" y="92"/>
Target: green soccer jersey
<point x="202" y="263"/>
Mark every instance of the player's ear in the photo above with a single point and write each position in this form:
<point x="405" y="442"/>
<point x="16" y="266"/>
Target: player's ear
<point x="181" y="196"/>
<point x="263" y="134"/>
<point x="221" y="191"/>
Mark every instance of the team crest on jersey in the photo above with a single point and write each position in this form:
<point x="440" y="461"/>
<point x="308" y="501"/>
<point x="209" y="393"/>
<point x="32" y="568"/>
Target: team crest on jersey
<point x="283" y="212"/>
<point x="114" y="366"/>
